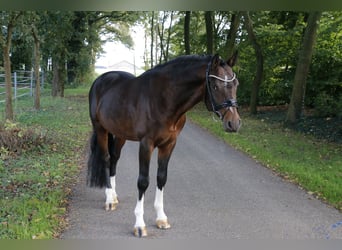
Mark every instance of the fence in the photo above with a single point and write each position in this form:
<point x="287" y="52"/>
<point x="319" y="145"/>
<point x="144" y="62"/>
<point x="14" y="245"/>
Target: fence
<point x="23" y="83"/>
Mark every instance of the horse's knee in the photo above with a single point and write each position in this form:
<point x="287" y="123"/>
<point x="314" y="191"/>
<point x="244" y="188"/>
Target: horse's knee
<point x="143" y="182"/>
<point x="161" y="179"/>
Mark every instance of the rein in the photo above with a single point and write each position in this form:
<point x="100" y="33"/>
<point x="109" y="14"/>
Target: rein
<point x="227" y="103"/>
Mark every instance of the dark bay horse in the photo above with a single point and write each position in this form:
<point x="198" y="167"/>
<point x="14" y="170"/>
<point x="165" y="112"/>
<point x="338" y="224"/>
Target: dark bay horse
<point x="151" y="109"/>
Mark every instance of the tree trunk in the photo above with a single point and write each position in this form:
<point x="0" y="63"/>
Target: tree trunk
<point x="62" y="78"/>
<point x="58" y="78"/>
<point x="231" y="37"/>
<point x="6" y="46"/>
<point x="260" y="64"/>
<point x="8" y="80"/>
<point x="169" y="37"/>
<point x="36" y="69"/>
<point x="55" y="77"/>
<point x="304" y="59"/>
<point x="209" y="29"/>
<point x="160" y="33"/>
<point x="187" y="32"/>
<point x="152" y="38"/>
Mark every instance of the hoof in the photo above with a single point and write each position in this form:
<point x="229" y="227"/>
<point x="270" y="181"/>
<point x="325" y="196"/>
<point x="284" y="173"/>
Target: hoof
<point x="140" y="232"/>
<point x="110" y="206"/>
<point x="115" y="200"/>
<point x="163" y="224"/>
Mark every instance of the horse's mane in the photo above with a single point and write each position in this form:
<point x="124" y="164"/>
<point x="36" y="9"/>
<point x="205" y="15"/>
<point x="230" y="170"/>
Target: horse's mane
<point x="180" y="62"/>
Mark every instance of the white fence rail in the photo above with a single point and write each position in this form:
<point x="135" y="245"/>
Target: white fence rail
<point x="23" y="84"/>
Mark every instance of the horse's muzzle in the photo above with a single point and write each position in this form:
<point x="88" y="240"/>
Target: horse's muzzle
<point x="232" y="125"/>
<point x="231" y="120"/>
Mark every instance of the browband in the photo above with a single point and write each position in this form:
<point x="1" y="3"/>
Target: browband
<point x="224" y="80"/>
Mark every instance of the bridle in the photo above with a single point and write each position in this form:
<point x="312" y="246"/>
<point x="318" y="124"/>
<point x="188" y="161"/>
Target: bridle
<point x="227" y="103"/>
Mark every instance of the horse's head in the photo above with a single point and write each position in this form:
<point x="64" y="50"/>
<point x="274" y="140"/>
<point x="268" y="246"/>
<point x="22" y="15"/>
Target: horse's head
<point x="221" y="89"/>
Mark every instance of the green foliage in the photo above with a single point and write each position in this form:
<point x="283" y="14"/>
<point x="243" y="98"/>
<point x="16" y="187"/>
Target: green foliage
<point x="77" y="37"/>
<point x="197" y="34"/>
<point x="326" y="105"/>
<point x="280" y="35"/>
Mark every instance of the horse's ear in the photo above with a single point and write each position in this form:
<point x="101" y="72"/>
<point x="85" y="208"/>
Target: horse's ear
<point x="215" y="61"/>
<point x="232" y="61"/>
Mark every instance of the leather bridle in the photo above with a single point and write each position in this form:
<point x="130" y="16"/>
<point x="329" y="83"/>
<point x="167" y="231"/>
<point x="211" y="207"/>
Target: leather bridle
<point x="227" y="103"/>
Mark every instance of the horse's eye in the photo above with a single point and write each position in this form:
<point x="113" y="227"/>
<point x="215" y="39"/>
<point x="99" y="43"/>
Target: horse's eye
<point x="215" y="87"/>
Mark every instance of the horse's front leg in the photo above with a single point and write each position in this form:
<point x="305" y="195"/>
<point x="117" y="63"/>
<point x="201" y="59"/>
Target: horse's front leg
<point x="145" y="151"/>
<point x="164" y="153"/>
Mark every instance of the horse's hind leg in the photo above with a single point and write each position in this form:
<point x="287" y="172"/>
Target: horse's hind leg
<point x="145" y="151"/>
<point x="114" y="147"/>
<point x="164" y="154"/>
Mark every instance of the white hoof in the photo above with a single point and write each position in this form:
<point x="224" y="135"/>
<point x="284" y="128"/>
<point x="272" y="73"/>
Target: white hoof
<point x="163" y="224"/>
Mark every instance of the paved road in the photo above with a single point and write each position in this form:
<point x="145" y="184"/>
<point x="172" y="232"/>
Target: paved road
<point x="213" y="191"/>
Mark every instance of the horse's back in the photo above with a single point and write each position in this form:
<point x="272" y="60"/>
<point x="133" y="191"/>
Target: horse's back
<point x="108" y="80"/>
<point x="103" y="84"/>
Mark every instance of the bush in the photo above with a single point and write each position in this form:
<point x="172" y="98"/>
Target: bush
<point x="326" y="105"/>
<point x="15" y="139"/>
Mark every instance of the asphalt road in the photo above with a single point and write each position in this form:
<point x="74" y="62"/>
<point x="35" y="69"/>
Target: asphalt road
<point x="213" y="191"/>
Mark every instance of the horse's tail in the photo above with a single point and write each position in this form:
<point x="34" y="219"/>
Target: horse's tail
<point x="96" y="165"/>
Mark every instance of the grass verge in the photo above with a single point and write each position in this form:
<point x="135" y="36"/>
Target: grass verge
<point x="316" y="165"/>
<point x="35" y="180"/>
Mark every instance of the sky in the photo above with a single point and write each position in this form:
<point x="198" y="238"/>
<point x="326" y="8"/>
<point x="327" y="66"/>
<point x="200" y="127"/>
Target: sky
<point x="115" y="52"/>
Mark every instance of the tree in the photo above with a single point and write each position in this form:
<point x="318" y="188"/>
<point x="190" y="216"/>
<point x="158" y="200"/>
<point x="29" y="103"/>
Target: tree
<point x="57" y="30"/>
<point x="260" y="63"/>
<point x="231" y="37"/>
<point x="304" y="59"/>
<point x="164" y="43"/>
<point x="152" y="38"/>
<point x="8" y="22"/>
<point x="187" y="32"/>
<point x="209" y="30"/>
<point x="36" y="66"/>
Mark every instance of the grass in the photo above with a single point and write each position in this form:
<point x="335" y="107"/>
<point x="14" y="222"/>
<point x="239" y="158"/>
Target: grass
<point x="35" y="180"/>
<point x="314" y="164"/>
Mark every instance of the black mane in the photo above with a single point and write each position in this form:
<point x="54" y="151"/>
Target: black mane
<point x="180" y="63"/>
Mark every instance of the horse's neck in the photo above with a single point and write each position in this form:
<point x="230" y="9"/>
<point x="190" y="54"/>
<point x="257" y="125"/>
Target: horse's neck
<point x="190" y="92"/>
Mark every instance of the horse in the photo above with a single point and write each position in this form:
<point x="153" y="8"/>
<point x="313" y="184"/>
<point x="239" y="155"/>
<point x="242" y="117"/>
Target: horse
<point x="151" y="109"/>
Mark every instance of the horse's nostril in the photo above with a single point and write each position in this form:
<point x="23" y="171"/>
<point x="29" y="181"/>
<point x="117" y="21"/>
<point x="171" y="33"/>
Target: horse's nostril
<point x="229" y="125"/>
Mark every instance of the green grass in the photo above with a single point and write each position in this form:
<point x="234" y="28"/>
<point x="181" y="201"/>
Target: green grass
<point x="35" y="182"/>
<point x="314" y="164"/>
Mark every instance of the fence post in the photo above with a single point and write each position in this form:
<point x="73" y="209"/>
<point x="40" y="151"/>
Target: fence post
<point x="31" y="84"/>
<point x="15" y="84"/>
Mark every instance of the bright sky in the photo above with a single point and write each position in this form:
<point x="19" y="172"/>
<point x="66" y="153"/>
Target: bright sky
<point x="116" y="52"/>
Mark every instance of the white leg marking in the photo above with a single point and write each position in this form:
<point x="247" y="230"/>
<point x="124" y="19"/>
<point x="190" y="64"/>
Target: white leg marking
<point x="115" y="196"/>
<point x="139" y="214"/>
<point x="161" y="220"/>
<point x="111" y="196"/>
<point x="159" y="205"/>
<point x="109" y="205"/>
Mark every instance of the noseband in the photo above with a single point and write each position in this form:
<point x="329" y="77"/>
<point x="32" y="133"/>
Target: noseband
<point x="227" y="103"/>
